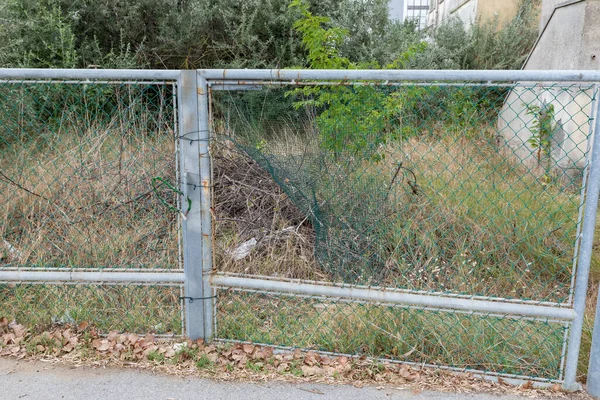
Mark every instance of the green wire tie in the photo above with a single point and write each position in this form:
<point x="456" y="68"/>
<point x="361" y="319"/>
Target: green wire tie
<point x="172" y="189"/>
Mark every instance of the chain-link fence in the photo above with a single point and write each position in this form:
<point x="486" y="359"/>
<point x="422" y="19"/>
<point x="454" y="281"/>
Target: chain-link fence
<point x="449" y="190"/>
<point x="84" y="185"/>
<point x="411" y="220"/>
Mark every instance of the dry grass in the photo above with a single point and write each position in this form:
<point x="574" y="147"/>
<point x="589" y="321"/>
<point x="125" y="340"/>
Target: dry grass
<point x="438" y="214"/>
<point x="477" y="342"/>
<point x="479" y="223"/>
<point x="86" y="201"/>
<point x="470" y="220"/>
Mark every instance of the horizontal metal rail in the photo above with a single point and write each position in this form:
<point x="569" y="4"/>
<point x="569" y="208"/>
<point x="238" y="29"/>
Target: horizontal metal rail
<point x="258" y="84"/>
<point x="398" y="290"/>
<point x="81" y="82"/>
<point x="305" y="74"/>
<point x="91" y="277"/>
<point x="410" y="299"/>
<point x="401" y="75"/>
<point x="91" y="74"/>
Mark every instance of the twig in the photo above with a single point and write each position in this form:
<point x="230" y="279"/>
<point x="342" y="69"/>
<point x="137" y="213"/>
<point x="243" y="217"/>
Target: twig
<point x="392" y="182"/>
<point x="246" y="185"/>
<point x="9" y="180"/>
<point x="408" y="353"/>
<point x="236" y="220"/>
<point x="315" y="391"/>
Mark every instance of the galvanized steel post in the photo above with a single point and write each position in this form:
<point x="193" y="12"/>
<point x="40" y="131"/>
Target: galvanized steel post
<point x="593" y="377"/>
<point x="189" y="142"/>
<point x="205" y="204"/>
<point x="585" y="256"/>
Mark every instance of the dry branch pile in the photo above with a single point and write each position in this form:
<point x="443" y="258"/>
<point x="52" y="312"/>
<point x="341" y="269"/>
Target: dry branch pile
<point x="256" y="221"/>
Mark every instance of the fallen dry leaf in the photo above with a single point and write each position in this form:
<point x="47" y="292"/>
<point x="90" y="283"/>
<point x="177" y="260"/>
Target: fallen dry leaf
<point x="311" y="371"/>
<point x="169" y="353"/>
<point x="18" y="330"/>
<point x="8" y="338"/>
<point x="104" y="345"/>
<point x="133" y="338"/>
<point x="556" y="387"/>
<point x="527" y="385"/>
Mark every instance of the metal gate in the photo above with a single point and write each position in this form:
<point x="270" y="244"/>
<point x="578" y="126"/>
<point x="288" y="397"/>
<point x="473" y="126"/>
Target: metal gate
<point x="424" y="217"/>
<point x="443" y="211"/>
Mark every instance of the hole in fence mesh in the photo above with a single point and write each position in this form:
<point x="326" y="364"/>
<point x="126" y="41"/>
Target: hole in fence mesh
<point x="493" y="344"/>
<point x="470" y="189"/>
<point x="76" y="167"/>
<point x="133" y="308"/>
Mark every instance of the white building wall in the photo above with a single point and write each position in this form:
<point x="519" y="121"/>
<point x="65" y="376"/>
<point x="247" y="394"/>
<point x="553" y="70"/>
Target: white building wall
<point x="569" y="42"/>
<point x="440" y="10"/>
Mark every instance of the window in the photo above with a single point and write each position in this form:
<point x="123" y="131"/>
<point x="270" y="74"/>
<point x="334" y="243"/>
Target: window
<point x="417" y="10"/>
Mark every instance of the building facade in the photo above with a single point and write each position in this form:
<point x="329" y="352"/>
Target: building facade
<point x="410" y="10"/>
<point x="469" y="11"/>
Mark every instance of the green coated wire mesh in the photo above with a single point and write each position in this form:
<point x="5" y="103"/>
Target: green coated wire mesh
<point x="465" y="189"/>
<point x="471" y="189"/>
<point x="77" y="160"/>
<point x="76" y="170"/>
<point x="487" y="343"/>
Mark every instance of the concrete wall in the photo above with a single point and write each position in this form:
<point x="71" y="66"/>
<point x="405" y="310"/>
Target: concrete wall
<point x="470" y="11"/>
<point x="547" y="10"/>
<point x="466" y="10"/>
<point x="570" y="40"/>
<point x="504" y="10"/>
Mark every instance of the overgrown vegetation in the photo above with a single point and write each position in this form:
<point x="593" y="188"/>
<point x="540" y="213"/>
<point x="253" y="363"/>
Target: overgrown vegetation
<point x="249" y="34"/>
<point x="395" y="186"/>
<point x="465" y="341"/>
<point x="76" y="170"/>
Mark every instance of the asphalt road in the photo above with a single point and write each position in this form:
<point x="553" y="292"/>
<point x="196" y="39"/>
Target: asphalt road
<point x="30" y="380"/>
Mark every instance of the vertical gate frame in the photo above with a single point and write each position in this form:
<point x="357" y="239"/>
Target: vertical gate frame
<point x="206" y="185"/>
<point x="191" y="225"/>
<point x="592" y="191"/>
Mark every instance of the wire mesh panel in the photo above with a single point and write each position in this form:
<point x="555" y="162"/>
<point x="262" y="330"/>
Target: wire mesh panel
<point x="87" y="171"/>
<point x="455" y="189"/>
<point x="125" y="308"/>
<point x="489" y="343"/>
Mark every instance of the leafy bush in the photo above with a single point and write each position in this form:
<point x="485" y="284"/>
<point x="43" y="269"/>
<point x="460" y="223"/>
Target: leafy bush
<point x="486" y="45"/>
<point x="250" y="34"/>
<point x="359" y="120"/>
